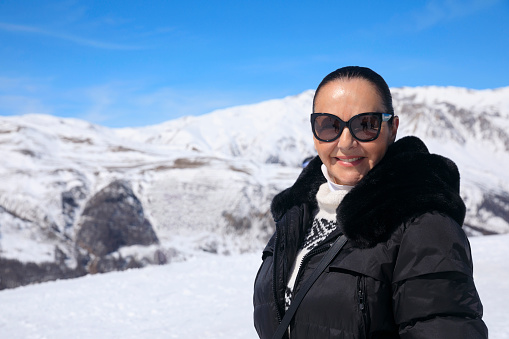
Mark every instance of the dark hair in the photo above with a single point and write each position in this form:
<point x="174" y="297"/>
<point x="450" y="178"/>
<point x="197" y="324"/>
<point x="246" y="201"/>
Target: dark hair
<point x="353" y="72"/>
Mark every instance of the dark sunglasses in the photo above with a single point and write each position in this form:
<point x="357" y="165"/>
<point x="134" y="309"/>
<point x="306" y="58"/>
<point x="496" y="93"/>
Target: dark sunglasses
<point x="363" y="127"/>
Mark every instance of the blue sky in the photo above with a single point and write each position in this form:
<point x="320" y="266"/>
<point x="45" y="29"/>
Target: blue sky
<point x="136" y="63"/>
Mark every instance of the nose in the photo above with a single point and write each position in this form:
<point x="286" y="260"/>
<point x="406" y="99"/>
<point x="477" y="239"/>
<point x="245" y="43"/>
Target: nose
<point x="346" y="140"/>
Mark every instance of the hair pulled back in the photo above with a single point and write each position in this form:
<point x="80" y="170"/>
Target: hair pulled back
<point x="355" y="72"/>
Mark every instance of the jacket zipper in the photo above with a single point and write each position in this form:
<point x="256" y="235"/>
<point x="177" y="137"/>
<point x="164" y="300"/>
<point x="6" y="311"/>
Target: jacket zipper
<point x="274" y="277"/>
<point x="361" y="295"/>
<point x="314" y="251"/>
<point x="306" y="257"/>
<point x="309" y="254"/>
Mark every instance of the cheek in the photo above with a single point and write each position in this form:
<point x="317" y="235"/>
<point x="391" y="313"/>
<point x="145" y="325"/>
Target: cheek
<point x="324" y="149"/>
<point x="376" y="153"/>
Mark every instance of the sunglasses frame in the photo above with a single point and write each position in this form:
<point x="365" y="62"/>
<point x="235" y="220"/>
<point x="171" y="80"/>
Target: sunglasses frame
<point x="384" y="117"/>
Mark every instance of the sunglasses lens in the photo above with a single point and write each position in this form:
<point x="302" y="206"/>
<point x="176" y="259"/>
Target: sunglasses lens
<point x="326" y="127"/>
<point x="366" y="127"/>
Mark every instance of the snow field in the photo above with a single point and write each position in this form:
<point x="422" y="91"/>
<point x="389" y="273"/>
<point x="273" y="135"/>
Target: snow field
<point x="208" y="296"/>
<point x="491" y="276"/>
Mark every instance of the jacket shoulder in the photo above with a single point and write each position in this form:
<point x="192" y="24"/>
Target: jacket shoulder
<point x="433" y="286"/>
<point x="431" y="243"/>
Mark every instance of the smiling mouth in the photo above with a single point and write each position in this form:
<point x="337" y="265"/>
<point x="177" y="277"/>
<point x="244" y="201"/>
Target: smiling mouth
<point x="349" y="160"/>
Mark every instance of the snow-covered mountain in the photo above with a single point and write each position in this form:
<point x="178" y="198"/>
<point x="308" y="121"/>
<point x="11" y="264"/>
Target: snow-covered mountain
<point x="78" y="198"/>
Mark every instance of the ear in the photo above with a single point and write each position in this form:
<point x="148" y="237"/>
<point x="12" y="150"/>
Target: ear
<point x="394" y="130"/>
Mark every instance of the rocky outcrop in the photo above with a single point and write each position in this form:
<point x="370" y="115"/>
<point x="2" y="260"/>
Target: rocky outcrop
<point x="113" y="218"/>
<point x="14" y="273"/>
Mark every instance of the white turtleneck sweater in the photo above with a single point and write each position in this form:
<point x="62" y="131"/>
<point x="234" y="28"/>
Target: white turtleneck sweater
<point x="328" y="197"/>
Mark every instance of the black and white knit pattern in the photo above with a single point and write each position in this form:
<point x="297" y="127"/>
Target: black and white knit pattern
<point x="320" y="229"/>
<point x="323" y="225"/>
<point x="318" y="232"/>
<point x="288" y="297"/>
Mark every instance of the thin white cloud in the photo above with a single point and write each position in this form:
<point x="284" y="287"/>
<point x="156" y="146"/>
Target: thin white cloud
<point x="72" y="38"/>
<point x="22" y="104"/>
<point x="23" y="95"/>
<point x="171" y="102"/>
<point x="437" y="11"/>
<point x="124" y="104"/>
<point x="99" y="104"/>
<point x="25" y="85"/>
<point x="115" y="103"/>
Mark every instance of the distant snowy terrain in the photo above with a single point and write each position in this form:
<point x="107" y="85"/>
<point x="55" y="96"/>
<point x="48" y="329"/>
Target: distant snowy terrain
<point x="208" y="296"/>
<point x="78" y="198"/>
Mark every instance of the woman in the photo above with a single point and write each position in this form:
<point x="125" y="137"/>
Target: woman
<point x="406" y="268"/>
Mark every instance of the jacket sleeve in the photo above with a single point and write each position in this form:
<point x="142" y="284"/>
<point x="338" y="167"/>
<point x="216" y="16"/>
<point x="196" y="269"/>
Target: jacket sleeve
<point x="434" y="295"/>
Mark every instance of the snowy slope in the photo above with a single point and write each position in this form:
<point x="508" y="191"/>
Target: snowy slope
<point x="205" y="183"/>
<point x="469" y="126"/>
<point x="208" y="296"/>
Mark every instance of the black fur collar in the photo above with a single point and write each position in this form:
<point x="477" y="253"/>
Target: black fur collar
<point x="408" y="182"/>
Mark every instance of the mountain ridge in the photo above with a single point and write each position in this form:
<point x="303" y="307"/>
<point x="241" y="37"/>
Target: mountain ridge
<point x="205" y="183"/>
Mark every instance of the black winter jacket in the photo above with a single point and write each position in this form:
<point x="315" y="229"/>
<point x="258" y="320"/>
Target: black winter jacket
<point x="406" y="270"/>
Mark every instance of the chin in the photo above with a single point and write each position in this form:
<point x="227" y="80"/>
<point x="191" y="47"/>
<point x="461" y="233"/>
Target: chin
<point x="348" y="176"/>
<point x="348" y="181"/>
<point x="351" y="183"/>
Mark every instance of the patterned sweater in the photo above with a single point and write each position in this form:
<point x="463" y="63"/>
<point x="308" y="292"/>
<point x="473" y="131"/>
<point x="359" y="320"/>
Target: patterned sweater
<point x="328" y="197"/>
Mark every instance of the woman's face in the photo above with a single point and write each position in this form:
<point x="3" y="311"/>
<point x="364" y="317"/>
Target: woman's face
<point x="348" y="160"/>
